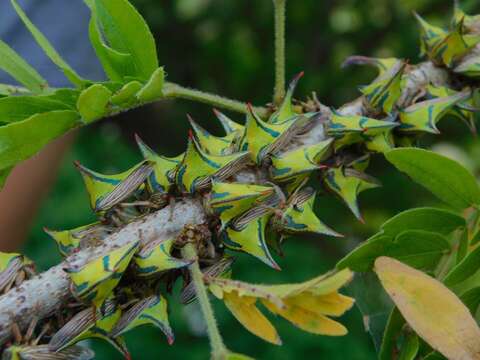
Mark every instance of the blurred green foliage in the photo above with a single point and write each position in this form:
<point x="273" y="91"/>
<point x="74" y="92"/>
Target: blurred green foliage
<point x="226" y="47"/>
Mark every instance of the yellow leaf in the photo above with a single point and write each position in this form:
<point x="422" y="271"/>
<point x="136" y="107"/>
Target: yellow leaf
<point x="245" y="311"/>
<point x="307" y="305"/>
<point x="307" y="320"/>
<point x="431" y="309"/>
<point x="333" y="304"/>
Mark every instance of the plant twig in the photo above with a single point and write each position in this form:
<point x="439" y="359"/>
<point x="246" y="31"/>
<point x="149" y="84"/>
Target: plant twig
<point x="172" y="90"/>
<point x="279" y="90"/>
<point x="219" y="351"/>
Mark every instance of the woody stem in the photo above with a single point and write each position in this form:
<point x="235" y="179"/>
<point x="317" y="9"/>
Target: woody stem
<point x="218" y="347"/>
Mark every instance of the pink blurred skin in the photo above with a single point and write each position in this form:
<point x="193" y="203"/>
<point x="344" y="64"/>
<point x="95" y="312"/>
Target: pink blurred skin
<point x="24" y="191"/>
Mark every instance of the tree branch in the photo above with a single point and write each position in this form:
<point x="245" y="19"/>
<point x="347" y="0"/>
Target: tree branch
<point x="46" y="293"/>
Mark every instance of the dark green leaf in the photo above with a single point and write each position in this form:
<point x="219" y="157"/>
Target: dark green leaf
<point x="390" y="336"/>
<point x="471" y="299"/>
<point x="16" y="108"/>
<point x="373" y="303"/>
<point x="22" y="139"/>
<point x="4" y="175"/>
<point x="20" y="70"/>
<point x="445" y="178"/>
<point x="127" y="33"/>
<point x="426" y="218"/>
<point x="410" y="347"/>
<point x="466" y="268"/>
<point x="420" y="249"/>
<point x="68" y="97"/>
<point x="434" y="356"/>
<point x="48" y="48"/>
<point x="397" y="238"/>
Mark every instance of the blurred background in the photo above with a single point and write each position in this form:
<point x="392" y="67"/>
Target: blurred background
<point x="225" y="46"/>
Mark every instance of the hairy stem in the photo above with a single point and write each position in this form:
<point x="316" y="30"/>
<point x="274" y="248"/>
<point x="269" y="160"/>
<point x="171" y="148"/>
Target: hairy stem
<point x="172" y="90"/>
<point x="218" y="347"/>
<point x="279" y="90"/>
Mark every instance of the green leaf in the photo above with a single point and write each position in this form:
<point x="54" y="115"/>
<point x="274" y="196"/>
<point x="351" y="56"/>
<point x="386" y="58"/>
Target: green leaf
<point x="20" y="70"/>
<point x="410" y="347"/>
<point x="426" y="218"/>
<point x="117" y="65"/>
<point x="128" y="33"/>
<point x="126" y="95"/>
<point x="434" y="356"/>
<point x="68" y="97"/>
<point x="471" y="299"/>
<point x="416" y="248"/>
<point x="398" y="238"/>
<point x="48" y="48"/>
<point x="392" y="330"/>
<point x="154" y="87"/>
<point x="16" y="108"/>
<point x="22" y="139"/>
<point x="466" y="268"/>
<point x="93" y="103"/>
<point x="4" y="175"/>
<point x="445" y="178"/>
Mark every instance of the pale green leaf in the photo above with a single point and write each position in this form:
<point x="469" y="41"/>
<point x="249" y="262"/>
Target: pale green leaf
<point x="16" y="108"/>
<point x="415" y="236"/>
<point x="392" y="331"/>
<point x="466" y="268"/>
<point x="22" y="139"/>
<point x="117" y="65"/>
<point x="48" y="48"/>
<point x="154" y="87"/>
<point x="20" y="70"/>
<point x="445" y="178"/>
<point x="127" y="33"/>
<point x="93" y="103"/>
